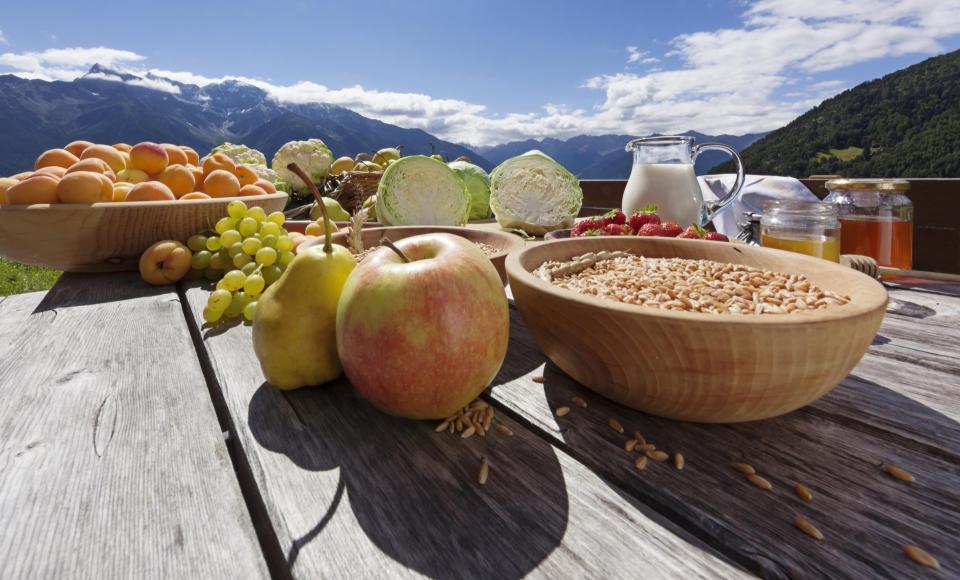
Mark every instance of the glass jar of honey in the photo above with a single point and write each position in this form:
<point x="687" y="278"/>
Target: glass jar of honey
<point x="805" y="227"/>
<point x="876" y="219"/>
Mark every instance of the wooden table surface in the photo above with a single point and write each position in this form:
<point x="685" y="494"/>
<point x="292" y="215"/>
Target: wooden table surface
<point x="135" y="442"/>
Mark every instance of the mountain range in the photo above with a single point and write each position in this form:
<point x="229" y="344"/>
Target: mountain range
<point x="905" y="124"/>
<point x="604" y="156"/>
<point x="110" y="106"/>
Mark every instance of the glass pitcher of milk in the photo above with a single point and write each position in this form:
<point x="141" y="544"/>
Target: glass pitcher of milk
<point x="663" y="176"/>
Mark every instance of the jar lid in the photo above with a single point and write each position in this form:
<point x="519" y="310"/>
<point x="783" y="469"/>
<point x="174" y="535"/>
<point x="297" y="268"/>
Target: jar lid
<point x="868" y="185"/>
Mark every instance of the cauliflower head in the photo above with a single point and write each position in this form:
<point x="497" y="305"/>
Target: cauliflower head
<point x="312" y="155"/>
<point x="264" y="172"/>
<point x="241" y="154"/>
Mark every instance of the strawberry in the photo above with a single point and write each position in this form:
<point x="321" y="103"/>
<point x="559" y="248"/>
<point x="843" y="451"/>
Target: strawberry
<point x="614" y="216"/>
<point x="671" y="230"/>
<point x="650" y="230"/>
<point x="585" y="225"/>
<point x="716" y="237"/>
<point x="693" y="232"/>
<point x="617" y="230"/>
<point x="593" y="232"/>
<point x="643" y="216"/>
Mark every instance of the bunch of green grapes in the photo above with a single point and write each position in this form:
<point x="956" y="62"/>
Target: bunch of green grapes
<point x="247" y="252"/>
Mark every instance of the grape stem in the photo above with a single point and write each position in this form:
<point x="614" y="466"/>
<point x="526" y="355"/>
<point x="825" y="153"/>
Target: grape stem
<point x="386" y="242"/>
<point x="327" y="235"/>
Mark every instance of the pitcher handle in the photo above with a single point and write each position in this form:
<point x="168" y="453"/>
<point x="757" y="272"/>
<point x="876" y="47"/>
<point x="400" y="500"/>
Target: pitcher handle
<point x="710" y="211"/>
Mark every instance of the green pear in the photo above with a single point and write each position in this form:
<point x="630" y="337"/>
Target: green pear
<point x="335" y="211"/>
<point x="386" y="155"/>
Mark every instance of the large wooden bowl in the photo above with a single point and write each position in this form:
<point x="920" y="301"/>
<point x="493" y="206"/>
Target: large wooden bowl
<point x="713" y="368"/>
<point x="105" y="237"/>
<point x="505" y="242"/>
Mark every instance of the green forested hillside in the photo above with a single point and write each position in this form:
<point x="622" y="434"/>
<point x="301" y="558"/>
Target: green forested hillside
<point x="906" y="124"/>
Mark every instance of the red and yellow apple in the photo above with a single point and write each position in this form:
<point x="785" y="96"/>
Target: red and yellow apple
<point x="421" y="339"/>
<point x="165" y="262"/>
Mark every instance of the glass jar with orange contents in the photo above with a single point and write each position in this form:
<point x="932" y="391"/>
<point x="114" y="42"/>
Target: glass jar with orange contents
<point x="805" y="227"/>
<point x="876" y="219"/>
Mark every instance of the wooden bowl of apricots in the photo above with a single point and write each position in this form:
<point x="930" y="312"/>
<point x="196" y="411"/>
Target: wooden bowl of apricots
<point x="96" y="208"/>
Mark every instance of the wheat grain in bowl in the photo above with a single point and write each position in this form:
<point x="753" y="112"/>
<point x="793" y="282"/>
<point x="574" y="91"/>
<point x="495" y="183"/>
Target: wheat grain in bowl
<point x="687" y="285"/>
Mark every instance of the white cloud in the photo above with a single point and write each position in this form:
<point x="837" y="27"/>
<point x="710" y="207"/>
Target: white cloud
<point x="757" y="76"/>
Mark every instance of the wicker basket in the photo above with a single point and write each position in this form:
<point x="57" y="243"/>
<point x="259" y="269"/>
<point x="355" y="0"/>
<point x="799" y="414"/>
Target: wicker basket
<point x="355" y="188"/>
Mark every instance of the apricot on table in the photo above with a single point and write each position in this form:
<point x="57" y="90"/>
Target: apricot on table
<point x="248" y="190"/>
<point x="125" y="147"/>
<point x="179" y="179"/>
<point x="113" y="157"/>
<point x="133" y="176"/>
<point x="5" y="184"/>
<point x="149" y="157"/>
<point x="195" y="195"/>
<point x="77" y="147"/>
<point x="54" y="170"/>
<point x="85" y="187"/>
<point x="198" y="176"/>
<point x="221" y="183"/>
<point x="150" y="191"/>
<point x="193" y="158"/>
<point x="22" y="175"/>
<point x="55" y="158"/>
<point x="217" y="161"/>
<point x="40" y="188"/>
<point x="165" y="262"/>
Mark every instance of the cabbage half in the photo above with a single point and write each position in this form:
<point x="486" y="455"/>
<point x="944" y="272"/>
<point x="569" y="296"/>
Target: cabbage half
<point x="478" y="186"/>
<point x="534" y="193"/>
<point x="418" y="190"/>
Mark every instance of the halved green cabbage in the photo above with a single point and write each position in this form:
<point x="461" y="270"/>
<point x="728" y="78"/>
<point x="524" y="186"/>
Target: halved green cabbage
<point x="478" y="186"/>
<point x="534" y="193"/>
<point x="418" y="190"/>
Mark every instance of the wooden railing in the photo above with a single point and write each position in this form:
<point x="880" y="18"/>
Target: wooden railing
<point x="936" y="233"/>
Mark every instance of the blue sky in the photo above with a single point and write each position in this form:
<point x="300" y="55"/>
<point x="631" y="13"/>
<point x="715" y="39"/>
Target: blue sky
<point x="487" y="72"/>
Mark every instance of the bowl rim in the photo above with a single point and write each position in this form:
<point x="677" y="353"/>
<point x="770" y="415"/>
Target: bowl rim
<point x="151" y="203"/>
<point x="861" y="305"/>
<point x="513" y="241"/>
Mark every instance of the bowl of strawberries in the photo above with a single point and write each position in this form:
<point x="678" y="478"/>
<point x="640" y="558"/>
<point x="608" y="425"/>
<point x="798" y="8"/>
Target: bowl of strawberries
<point x="644" y="222"/>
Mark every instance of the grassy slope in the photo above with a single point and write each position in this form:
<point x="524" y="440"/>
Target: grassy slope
<point x="16" y="278"/>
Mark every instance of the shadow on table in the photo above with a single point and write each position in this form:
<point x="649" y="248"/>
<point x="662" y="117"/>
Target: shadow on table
<point x="78" y="289"/>
<point x="415" y="492"/>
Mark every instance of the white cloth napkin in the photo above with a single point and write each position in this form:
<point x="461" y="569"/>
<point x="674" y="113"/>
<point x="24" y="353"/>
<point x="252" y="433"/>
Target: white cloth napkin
<point x="757" y="190"/>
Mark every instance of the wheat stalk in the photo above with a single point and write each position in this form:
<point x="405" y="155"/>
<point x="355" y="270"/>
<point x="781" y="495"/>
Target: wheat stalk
<point x="355" y="239"/>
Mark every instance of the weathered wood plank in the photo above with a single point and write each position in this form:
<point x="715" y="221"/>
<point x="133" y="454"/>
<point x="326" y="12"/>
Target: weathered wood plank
<point x="112" y="463"/>
<point x="864" y="513"/>
<point x="350" y="490"/>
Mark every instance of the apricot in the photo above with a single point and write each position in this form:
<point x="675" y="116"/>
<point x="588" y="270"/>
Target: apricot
<point x="55" y="158"/>
<point x="125" y="147"/>
<point x="197" y="176"/>
<point x="40" y="188"/>
<point x="193" y="158"/>
<point x="251" y="189"/>
<point x="5" y="184"/>
<point x="266" y="185"/>
<point x="95" y="165"/>
<point x="165" y="262"/>
<point x="113" y="157"/>
<point x="175" y="154"/>
<point x="77" y="147"/>
<point x="179" y="179"/>
<point x="246" y="175"/>
<point x="22" y="175"/>
<point x="221" y="183"/>
<point x="85" y="187"/>
<point x="121" y="189"/>
<point x="150" y="191"/>
<point x="54" y="170"/>
<point x="149" y="157"/>
<point x="217" y="161"/>
<point x="133" y="176"/>
<point x="126" y="158"/>
<point x="195" y="195"/>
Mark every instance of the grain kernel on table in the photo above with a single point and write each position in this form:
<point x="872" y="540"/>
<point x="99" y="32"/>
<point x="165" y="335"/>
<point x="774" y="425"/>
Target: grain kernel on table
<point x="920" y="556"/>
<point x="803" y="492"/>
<point x="898" y="473"/>
<point x="615" y="425"/>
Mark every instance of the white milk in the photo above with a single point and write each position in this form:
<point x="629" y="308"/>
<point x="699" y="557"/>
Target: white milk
<point x="672" y="187"/>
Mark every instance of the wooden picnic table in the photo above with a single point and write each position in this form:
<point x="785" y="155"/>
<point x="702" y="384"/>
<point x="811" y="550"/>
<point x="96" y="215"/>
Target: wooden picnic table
<point x="136" y="442"/>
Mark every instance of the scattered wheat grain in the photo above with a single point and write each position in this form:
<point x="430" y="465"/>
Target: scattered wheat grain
<point x="744" y="468"/>
<point x="580" y="402"/>
<point x="484" y="472"/>
<point x="804" y="525"/>
<point x="615" y="425"/>
<point x="504" y="430"/>
<point x="658" y="455"/>
<point x="468" y="432"/>
<point x="641" y="462"/>
<point x="900" y="474"/>
<point x="629" y="444"/>
<point x="561" y="411"/>
<point x="442" y="426"/>
<point x="759" y="481"/>
<point x="802" y="492"/>
<point x="678" y="460"/>
<point x="920" y="556"/>
<point x="537" y="378"/>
